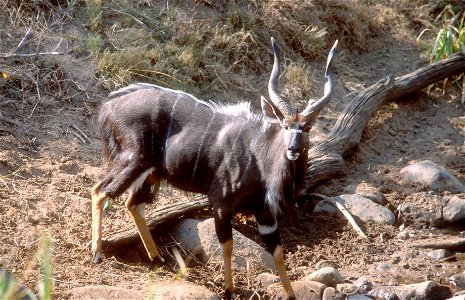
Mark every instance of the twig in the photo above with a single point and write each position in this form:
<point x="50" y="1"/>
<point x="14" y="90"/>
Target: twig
<point x="79" y="137"/>
<point x="129" y="15"/>
<point x="181" y="263"/>
<point x="22" y="41"/>
<point x="345" y="212"/>
<point x="53" y="52"/>
<point x="82" y="133"/>
<point x="30" y="54"/>
<point x="38" y="96"/>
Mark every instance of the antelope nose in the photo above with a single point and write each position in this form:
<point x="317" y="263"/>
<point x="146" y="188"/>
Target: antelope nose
<point x="293" y="149"/>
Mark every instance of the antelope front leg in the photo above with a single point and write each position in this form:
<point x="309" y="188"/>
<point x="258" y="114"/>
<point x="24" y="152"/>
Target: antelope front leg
<point x="278" y="257"/>
<point x="268" y="228"/>
<point x="98" y="200"/>
<point x="223" y="229"/>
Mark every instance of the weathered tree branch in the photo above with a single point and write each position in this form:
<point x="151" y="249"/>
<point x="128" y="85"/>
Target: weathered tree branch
<point x="326" y="157"/>
<point x="160" y="215"/>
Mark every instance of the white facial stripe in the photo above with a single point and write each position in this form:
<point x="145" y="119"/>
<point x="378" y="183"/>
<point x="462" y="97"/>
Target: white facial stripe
<point x="266" y="229"/>
<point x="296" y="130"/>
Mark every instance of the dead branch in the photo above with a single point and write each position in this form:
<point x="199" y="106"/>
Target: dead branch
<point x="345" y="212"/>
<point x="14" y="54"/>
<point x="326" y="157"/>
<point x="161" y="215"/>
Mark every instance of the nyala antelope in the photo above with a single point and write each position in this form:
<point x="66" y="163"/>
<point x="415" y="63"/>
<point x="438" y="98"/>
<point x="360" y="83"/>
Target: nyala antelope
<point x="239" y="159"/>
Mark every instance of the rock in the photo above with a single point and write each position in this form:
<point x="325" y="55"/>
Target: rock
<point x="457" y="281"/>
<point x="199" y="237"/>
<point x="432" y="210"/>
<point x="439" y="254"/>
<point x="158" y="290"/>
<point x="346" y="288"/>
<point x="434" y="176"/>
<point x="105" y="292"/>
<point x="363" y="284"/>
<point x="265" y="279"/>
<point x="333" y="294"/>
<point x="357" y="297"/>
<point x="454" y="210"/>
<point x="361" y="207"/>
<point x="410" y="213"/>
<point x="326" y="263"/>
<point x="327" y="275"/>
<point x="302" y="290"/>
<point x="383" y="293"/>
<point x="425" y="290"/>
<point x="368" y="191"/>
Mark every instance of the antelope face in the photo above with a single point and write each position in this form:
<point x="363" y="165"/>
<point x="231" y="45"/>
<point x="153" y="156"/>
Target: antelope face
<point x="295" y="138"/>
<point x="296" y="125"/>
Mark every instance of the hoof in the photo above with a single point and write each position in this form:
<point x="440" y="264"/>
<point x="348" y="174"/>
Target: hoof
<point x="157" y="262"/>
<point x="229" y="295"/>
<point x="97" y="259"/>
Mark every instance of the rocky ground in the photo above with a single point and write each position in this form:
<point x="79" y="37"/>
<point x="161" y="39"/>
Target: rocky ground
<point x="49" y="159"/>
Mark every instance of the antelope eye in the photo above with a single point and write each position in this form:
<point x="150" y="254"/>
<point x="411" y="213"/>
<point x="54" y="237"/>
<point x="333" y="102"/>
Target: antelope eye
<point x="286" y="127"/>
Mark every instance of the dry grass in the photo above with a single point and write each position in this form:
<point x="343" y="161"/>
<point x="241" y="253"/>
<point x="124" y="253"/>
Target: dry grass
<point x="207" y="49"/>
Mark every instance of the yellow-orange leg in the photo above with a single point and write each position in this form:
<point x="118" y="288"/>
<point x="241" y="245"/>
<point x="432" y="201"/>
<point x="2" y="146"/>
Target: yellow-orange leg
<point x="278" y="257"/>
<point x="228" y="281"/>
<point x="98" y="199"/>
<point x="137" y="214"/>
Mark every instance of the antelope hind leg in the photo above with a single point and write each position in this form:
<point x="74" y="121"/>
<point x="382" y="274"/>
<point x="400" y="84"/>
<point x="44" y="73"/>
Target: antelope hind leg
<point x="98" y="199"/>
<point x="137" y="214"/>
<point x="228" y="282"/>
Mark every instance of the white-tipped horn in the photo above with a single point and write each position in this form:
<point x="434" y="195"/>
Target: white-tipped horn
<point x="277" y="100"/>
<point x="314" y="108"/>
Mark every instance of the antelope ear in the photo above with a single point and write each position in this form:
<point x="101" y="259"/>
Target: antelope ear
<point x="271" y="113"/>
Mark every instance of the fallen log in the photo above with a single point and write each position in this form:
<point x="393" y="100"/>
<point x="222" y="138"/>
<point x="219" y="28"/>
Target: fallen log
<point x="160" y="215"/>
<point x="448" y="243"/>
<point x="326" y="157"/>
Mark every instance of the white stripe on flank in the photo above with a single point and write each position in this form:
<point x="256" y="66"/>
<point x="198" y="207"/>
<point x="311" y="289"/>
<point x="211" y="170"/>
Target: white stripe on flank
<point x="266" y="229"/>
<point x="173" y="110"/>
<point x="202" y="141"/>
<point x="137" y="184"/>
<point x="239" y="134"/>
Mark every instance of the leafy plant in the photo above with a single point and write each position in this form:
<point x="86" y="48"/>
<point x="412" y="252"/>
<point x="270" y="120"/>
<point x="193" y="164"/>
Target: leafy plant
<point x="44" y="258"/>
<point x="11" y="288"/>
<point x="450" y="39"/>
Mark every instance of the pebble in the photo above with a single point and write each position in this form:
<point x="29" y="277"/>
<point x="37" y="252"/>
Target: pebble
<point x="327" y="275"/>
<point x="331" y="293"/>
<point x="439" y="254"/>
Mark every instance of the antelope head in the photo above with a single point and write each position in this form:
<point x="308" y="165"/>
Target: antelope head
<point x="295" y="124"/>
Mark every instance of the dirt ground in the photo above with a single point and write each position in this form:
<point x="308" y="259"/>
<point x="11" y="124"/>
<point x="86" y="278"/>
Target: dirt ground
<point x="50" y="158"/>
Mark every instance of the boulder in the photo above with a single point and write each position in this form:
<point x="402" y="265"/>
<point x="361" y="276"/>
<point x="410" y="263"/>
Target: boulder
<point x="199" y="237"/>
<point x="361" y="207"/>
<point x="434" y="176"/>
